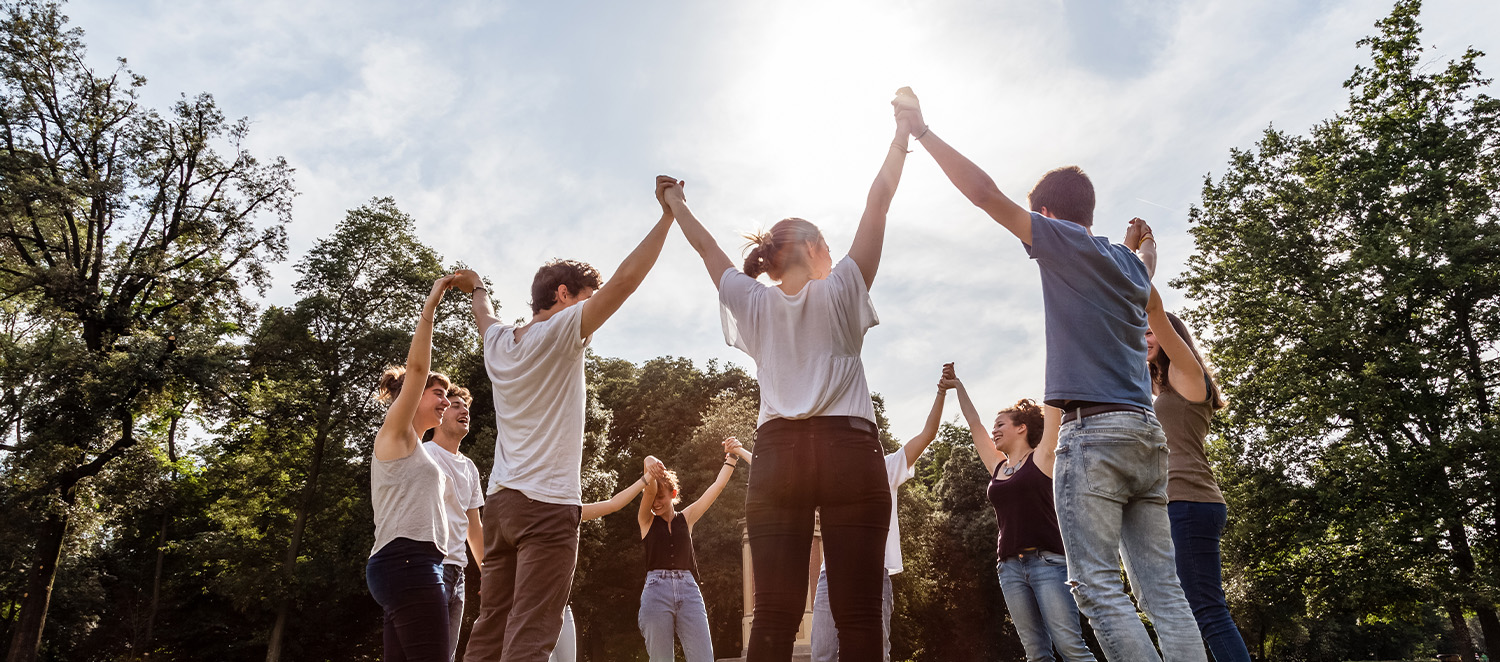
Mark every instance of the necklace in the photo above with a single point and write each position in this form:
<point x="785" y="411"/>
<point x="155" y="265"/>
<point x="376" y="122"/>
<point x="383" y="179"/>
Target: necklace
<point x="1009" y="469"/>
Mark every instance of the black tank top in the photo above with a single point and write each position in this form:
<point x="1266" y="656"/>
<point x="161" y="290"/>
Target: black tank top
<point x="673" y="550"/>
<point x="1024" y="511"/>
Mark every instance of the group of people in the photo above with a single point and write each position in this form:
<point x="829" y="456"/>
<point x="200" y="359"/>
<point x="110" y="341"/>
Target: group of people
<point x="1102" y="473"/>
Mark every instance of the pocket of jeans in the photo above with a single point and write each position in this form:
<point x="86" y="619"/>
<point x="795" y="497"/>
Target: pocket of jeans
<point x="1052" y="558"/>
<point x="1106" y="465"/>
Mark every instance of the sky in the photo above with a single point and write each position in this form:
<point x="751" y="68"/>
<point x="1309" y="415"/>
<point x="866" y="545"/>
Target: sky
<point x="517" y="132"/>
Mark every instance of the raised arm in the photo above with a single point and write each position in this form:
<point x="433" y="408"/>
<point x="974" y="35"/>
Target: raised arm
<point x="651" y="474"/>
<point x="599" y="509"/>
<point x="983" y="443"/>
<point x="714" y="258"/>
<point x="869" y="239"/>
<point x="628" y="276"/>
<point x="484" y="314"/>
<point x="1139" y="239"/>
<point x="1046" y="451"/>
<point x="733" y="446"/>
<point x="974" y="183"/>
<point x="701" y="506"/>
<point x="396" y="439"/>
<point x="1186" y="374"/>
<point x="914" y="446"/>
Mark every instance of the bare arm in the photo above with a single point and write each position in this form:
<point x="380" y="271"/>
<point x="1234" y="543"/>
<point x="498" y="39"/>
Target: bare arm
<point x="601" y="508"/>
<point x="396" y="439"/>
<point x="1138" y="238"/>
<point x="1046" y="451"/>
<point x="1186" y="374"/>
<point x="973" y="182"/>
<point x="628" y="276"/>
<point x="732" y="445"/>
<point x="714" y="258"/>
<point x="651" y="476"/>
<point x="476" y="536"/>
<point x="869" y="239"/>
<point x="917" y="444"/>
<point x="701" y="506"/>
<point x="983" y="444"/>
<point x="484" y="314"/>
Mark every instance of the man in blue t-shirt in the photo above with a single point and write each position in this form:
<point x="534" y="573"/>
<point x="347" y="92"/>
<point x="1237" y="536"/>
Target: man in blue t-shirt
<point x="1110" y="479"/>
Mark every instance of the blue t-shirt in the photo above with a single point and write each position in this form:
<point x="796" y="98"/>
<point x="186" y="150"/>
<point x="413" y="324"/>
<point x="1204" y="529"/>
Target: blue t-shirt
<point x="1094" y="294"/>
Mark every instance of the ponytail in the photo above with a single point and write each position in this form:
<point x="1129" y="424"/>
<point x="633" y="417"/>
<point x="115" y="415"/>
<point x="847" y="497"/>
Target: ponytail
<point x="391" y="380"/>
<point x="771" y="249"/>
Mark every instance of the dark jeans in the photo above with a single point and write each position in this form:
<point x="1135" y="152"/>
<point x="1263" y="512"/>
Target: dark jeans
<point x="530" y="549"/>
<point x="406" y="578"/>
<point x="1196" y="529"/>
<point x="834" y="465"/>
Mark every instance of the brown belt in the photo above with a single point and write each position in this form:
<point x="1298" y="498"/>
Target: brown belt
<point x="1085" y="412"/>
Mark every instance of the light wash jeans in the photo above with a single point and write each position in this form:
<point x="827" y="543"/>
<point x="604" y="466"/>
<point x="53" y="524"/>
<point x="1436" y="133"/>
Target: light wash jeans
<point x="825" y="635"/>
<point x="453" y="589"/>
<point x="567" y="641"/>
<point x="1036" y="594"/>
<point x="1110" y="485"/>
<point x="671" y="602"/>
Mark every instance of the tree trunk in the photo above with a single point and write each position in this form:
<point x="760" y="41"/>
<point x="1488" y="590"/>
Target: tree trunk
<point x="26" y="642"/>
<point x="289" y="561"/>
<point x="1489" y="628"/>
<point x="1463" y="640"/>
<point x="161" y="543"/>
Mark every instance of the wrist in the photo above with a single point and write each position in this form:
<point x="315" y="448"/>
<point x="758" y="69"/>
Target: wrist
<point x="925" y="131"/>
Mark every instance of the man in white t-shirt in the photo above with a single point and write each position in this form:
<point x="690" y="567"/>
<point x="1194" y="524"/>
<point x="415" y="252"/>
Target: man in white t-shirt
<point x="460" y="505"/>
<point x="533" y="507"/>
<point x="899" y="466"/>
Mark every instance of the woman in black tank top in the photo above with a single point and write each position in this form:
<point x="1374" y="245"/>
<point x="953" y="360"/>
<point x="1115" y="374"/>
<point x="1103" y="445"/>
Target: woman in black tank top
<point x="1019" y="453"/>
<point x="671" y="603"/>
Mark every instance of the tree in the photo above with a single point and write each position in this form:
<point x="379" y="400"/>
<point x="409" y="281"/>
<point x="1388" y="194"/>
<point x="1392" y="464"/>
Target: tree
<point x="127" y="236"/>
<point x="1351" y="281"/>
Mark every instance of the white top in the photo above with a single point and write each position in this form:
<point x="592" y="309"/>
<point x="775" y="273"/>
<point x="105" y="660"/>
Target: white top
<point x="806" y="346"/>
<point x="407" y="495"/>
<point x="467" y="494"/>
<point x="897" y="471"/>
<point x="539" y="399"/>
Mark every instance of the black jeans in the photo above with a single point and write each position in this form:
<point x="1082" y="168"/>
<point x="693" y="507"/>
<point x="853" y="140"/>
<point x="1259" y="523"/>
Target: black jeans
<point x="832" y="464"/>
<point x="406" y="578"/>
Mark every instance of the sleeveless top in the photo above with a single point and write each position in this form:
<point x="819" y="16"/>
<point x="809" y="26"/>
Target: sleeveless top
<point x="407" y="494"/>
<point x="1024" y="511"/>
<point x="670" y="550"/>
<point x="1189" y="476"/>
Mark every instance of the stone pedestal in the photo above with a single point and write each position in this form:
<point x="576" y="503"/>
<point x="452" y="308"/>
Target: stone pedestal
<point x="802" y="647"/>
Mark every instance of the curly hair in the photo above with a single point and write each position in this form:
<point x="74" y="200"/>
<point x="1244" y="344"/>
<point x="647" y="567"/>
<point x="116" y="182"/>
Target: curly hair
<point x="674" y="485"/>
<point x="1028" y="413"/>
<point x="461" y="393"/>
<point x="576" y="275"/>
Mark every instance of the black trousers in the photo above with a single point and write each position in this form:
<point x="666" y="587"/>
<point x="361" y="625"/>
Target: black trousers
<point x="834" y="465"/>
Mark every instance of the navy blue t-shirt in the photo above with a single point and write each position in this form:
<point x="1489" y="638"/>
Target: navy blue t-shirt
<point x="1094" y="294"/>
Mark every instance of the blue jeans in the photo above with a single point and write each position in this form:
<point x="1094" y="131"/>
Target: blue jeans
<point x="825" y="633"/>
<point x="567" y="641"/>
<point x="1110" y="485"/>
<point x="1196" y="529"/>
<point x="453" y="590"/>
<point x="671" y="603"/>
<point x="1036" y="594"/>
<point x="406" y="578"/>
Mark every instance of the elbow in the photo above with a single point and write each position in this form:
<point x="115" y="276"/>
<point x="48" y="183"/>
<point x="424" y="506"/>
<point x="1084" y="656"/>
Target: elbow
<point x="986" y="196"/>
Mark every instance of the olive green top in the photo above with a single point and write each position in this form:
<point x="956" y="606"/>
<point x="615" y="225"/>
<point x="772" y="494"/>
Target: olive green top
<point x="1189" y="476"/>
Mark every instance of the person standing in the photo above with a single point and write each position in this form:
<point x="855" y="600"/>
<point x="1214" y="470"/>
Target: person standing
<point x="407" y="490"/>
<point x="900" y="465"/>
<point x="1019" y="452"/>
<point x="1110" y="478"/>
<point x="460" y="505"/>
<point x="817" y="447"/>
<point x="534" y="504"/>
<point x="1186" y="399"/>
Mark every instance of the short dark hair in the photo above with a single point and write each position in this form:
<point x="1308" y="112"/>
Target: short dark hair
<point x="460" y="393"/>
<point x="576" y="275"/>
<point x="1067" y="194"/>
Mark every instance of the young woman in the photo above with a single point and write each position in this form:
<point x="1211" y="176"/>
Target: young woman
<point x="816" y="445"/>
<point x="1186" y="399"/>
<point x="567" y="641"/>
<point x="1019" y="452"/>
<point x="407" y="487"/>
<point x="670" y="601"/>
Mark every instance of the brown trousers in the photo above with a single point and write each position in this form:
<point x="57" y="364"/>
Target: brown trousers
<point x="530" y="550"/>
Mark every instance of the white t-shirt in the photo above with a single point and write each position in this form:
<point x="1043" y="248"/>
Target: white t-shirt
<point x="539" y="399"/>
<point x="806" y="346"/>
<point x="466" y="494"/>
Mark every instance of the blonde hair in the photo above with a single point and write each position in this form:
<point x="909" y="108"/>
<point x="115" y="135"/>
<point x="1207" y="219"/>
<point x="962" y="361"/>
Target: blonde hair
<point x="391" y="381"/>
<point x="768" y="252"/>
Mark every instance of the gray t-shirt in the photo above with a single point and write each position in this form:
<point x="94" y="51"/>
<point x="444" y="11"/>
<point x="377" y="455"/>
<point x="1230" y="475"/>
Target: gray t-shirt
<point x="407" y="494"/>
<point x="1094" y="294"/>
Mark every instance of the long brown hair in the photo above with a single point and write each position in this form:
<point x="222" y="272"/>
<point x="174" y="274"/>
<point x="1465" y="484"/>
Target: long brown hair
<point x="771" y="249"/>
<point x="1160" y="364"/>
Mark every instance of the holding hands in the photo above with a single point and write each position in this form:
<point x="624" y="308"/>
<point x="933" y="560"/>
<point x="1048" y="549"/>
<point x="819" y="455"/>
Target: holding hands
<point x="733" y="449"/>
<point x="654" y="470"/>
<point x="1137" y="232"/>
<point x="949" y="379"/>
<point x="909" y="112"/>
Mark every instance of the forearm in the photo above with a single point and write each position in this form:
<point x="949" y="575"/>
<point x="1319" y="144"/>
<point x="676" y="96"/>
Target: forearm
<point x="1146" y="251"/>
<point x="883" y="189"/>
<point x="484" y="312"/>
<point x="971" y="413"/>
<point x="476" y="538"/>
<point x="419" y="356"/>
<point x="744" y="455"/>
<point x="697" y="236"/>
<point x="973" y="182"/>
<point x="634" y="268"/>
<point x="919" y="443"/>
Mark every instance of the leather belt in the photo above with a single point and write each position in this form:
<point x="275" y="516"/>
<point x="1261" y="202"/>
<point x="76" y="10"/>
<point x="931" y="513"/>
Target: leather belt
<point x="1085" y="412"/>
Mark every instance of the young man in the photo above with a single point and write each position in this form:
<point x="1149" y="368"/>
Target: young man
<point x="1110" y="489"/>
<point x="460" y="505"/>
<point x="534" y="503"/>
